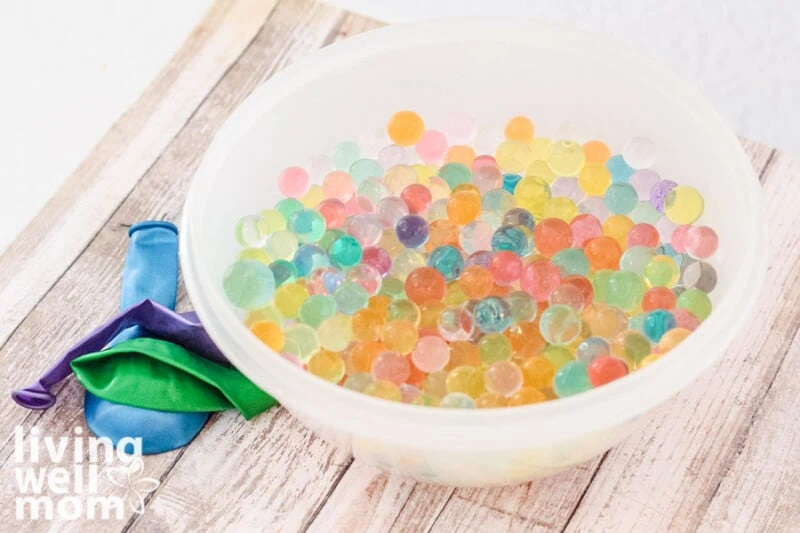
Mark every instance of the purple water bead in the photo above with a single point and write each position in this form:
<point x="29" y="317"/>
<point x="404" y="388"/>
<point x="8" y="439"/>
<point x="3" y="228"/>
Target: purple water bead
<point x="412" y="231"/>
<point x="482" y="258"/>
<point x="659" y="192"/>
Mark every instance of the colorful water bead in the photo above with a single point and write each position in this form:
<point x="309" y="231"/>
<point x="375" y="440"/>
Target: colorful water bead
<point x="455" y="174"/>
<point x="345" y="154"/>
<point x="269" y="333"/>
<point x="658" y="298"/>
<point x="289" y="298"/>
<point x="417" y="197"/>
<point x="566" y="158"/>
<point x="339" y="185"/>
<point x="476" y="236"/>
<point x="620" y="170"/>
<point x="540" y="278"/>
<point x="391" y="366"/>
<point x="604" y="370"/>
<point x="350" y="297"/>
<point x="405" y="128"/>
<point x="515" y="239"/>
<point x="308" y="224"/>
<point x="249" y="284"/>
<point x="552" y="235"/>
<point x="494" y="347"/>
<point x="424" y="284"/>
<point x="658" y="322"/>
<point x="592" y="348"/>
<point x="701" y="242"/>
<point x="293" y="182"/>
<point x="569" y="295"/>
<point x="661" y="271"/>
<point x="513" y="156"/>
<point x="683" y="205"/>
<point x="309" y="258"/>
<point x="560" y="324"/>
<point x="632" y="346"/>
<point x="571" y="379"/>
<point x="431" y="354"/>
<point x="659" y="193"/>
<point x="493" y="315"/>
<point x="571" y="261"/>
<point x="315" y="309"/>
<point x="385" y="390"/>
<point x="596" y="152"/>
<point x="519" y="128"/>
<point x="621" y="198"/>
<point x="476" y="282"/>
<point x="329" y="366"/>
<point x="602" y="253"/>
<point x="672" y="338"/>
<point x="432" y="147"/>
<point x="700" y="275"/>
<point x="585" y="227"/>
<point x="463" y="207"/>
<point x="696" y="302"/>
<point x="367" y="229"/>
<point x="532" y="193"/>
<point x="594" y="179"/>
<point x="505" y="267"/>
<point x="504" y="378"/>
<point x="625" y="290"/>
<point x="447" y="260"/>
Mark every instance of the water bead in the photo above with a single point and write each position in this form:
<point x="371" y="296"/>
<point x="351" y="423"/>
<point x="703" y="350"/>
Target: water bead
<point x="293" y="182"/>
<point x="288" y="206"/>
<point x="269" y="313"/>
<point x="636" y="323"/>
<point x="597" y="152"/>
<point x="552" y="235"/>
<point x="437" y="210"/>
<point x="643" y="235"/>
<point x="315" y="309"/>
<point x="671" y="339"/>
<point x="594" y="179"/>
<point x="455" y="174"/>
<point x="289" y="298"/>
<point x="505" y="267"/>
<point x="406" y="262"/>
<point x="483" y="160"/>
<point x="510" y="182"/>
<point x="308" y="225"/>
<point x="618" y="227"/>
<point x="645" y="212"/>
<point x="249" y="284"/>
<point x="439" y="188"/>
<point x="424" y="284"/>
<point x="303" y="341"/>
<point x="447" y="260"/>
<point x="560" y="324"/>
<point x="492" y="315"/>
<point x="333" y="212"/>
<point x="378" y="258"/>
<point x="513" y="156"/>
<point x="463" y="207"/>
<point x="374" y="189"/>
<point x="391" y="366"/>
<point x="254" y="254"/>
<point x="487" y="178"/>
<point x="403" y="310"/>
<point x="431" y="354"/>
<point x="450" y="326"/>
<point x="269" y="333"/>
<point x="568" y="295"/>
<point x="621" y="198"/>
<point x="665" y="229"/>
<point x="631" y="346"/>
<point x="526" y="396"/>
<point x="385" y="390"/>
<point x="490" y="400"/>
<point x="359" y="205"/>
<point x="643" y="181"/>
<point x="460" y="154"/>
<point x="604" y="370"/>
<point x="331" y="279"/>
<point x="475" y="236"/>
<point x="602" y="253"/>
<point x="519" y="217"/>
<point x="701" y="242"/>
<point x="539" y="279"/>
<point x="636" y="258"/>
<point x="497" y="200"/>
<point x="457" y="400"/>
<point x="250" y="232"/>
<point x="605" y="321"/>
<point x="367" y="229"/>
<point x="600" y="281"/>
<point x="620" y="170"/>
<point x="432" y="147"/>
<point x="540" y="169"/>
<point x="540" y="148"/>
<point x="417" y="198"/>
<point x="595" y="206"/>
<point x="561" y="208"/>
<point x="566" y="158"/>
<point x="512" y="239"/>
<point x="592" y="348"/>
<point x="700" y="275"/>
<point x="309" y="258"/>
<point x="583" y="285"/>
<point x="625" y="290"/>
<point x="659" y="193"/>
<point x="571" y="261"/>
<point x="696" y="302"/>
<point x="639" y="152"/>
<point x="658" y="298"/>
<point x="345" y="252"/>
<point x="523" y="307"/>
<point x="467" y="380"/>
<point x="661" y="271"/>
<point x="494" y="347"/>
<point x="658" y="322"/>
<point x="532" y="193"/>
<point x="459" y="128"/>
<point x="683" y="205"/>
<point x="476" y="282"/>
<point x="519" y="128"/>
<point x="585" y="227"/>
<point x="405" y="128"/>
<point x="339" y="185"/>
<point x="283" y="271"/>
<point x="330" y="367"/>
<point x="504" y="378"/>
<point x="571" y="379"/>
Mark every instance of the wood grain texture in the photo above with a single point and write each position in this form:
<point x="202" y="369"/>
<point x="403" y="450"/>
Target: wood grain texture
<point x="82" y="205"/>
<point x="722" y="456"/>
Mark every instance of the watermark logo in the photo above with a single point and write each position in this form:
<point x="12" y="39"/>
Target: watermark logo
<point x="60" y="478"/>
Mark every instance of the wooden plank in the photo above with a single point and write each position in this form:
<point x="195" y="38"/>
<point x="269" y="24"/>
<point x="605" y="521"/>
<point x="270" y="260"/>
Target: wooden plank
<point x="665" y="477"/>
<point x="84" y="202"/>
<point x="545" y="504"/>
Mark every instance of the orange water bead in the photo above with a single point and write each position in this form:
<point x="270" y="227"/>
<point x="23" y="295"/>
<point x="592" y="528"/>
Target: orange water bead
<point x="366" y="325"/>
<point x="463" y="353"/>
<point x="380" y="304"/>
<point x="671" y="339"/>
<point x="405" y="128"/>
<point x="269" y="333"/>
<point x="582" y="284"/>
<point x="424" y="284"/>
<point x="658" y="298"/>
<point x="361" y="355"/>
<point x="476" y="282"/>
<point x="442" y="232"/>
<point x="429" y="314"/>
<point x="603" y="252"/>
<point x="526" y="396"/>
<point x="520" y="128"/>
<point x="618" y="227"/>
<point x="463" y="207"/>
<point x="400" y="336"/>
<point x="552" y="235"/>
<point x="525" y="338"/>
<point x="538" y="372"/>
<point x="596" y="152"/>
<point x="460" y="154"/>
<point x="501" y="291"/>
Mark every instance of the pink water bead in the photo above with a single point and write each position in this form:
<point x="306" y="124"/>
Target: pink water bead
<point x="432" y="147"/>
<point x="431" y="354"/>
<point x="417" y="197"/>
<point x="505" y="267"/>
<point x="391" y="366"/>
<point x="486" y="178"/>
<point x="378" y="258"/>
<point x="585" y="227"/>
<point x="701" y="242"/>
<point x="333" y="211"/>
<point x="684" y="319"/>
<point x="678" y="239"/>
<point x="359" y="205"/>
<point x="294" y="182"/>
<point x="643" y="235"/>
<point x="338" y="185"/>
<point x="483" y="161"/>
<point x="540" y="278"/>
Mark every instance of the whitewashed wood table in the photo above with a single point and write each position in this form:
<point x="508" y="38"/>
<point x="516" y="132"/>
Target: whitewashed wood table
<point x="723" y="455"/>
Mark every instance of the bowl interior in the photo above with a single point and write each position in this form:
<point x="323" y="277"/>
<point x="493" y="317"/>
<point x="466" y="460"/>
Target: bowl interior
<point x="571" y="85"/>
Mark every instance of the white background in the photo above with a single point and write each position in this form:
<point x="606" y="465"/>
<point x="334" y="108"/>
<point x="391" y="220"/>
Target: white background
<point x="70" y="68"/>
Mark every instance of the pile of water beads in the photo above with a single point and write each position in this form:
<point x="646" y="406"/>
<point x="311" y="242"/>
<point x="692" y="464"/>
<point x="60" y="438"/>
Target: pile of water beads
<point x="434" y="275"/>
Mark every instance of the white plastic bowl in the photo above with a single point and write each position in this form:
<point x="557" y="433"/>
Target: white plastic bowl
<point x="571" y="84"/>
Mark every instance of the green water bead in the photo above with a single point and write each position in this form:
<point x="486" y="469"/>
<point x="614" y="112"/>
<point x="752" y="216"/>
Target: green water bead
<point x="345" y="252"/>
<point x="557" y="355"/>
<point x="494" y="347"/>
<point x="600" y="281"/>
<point x="625" y="290"/>
<point x="696" y="302"/>
<point x="350" y="297"/>
<point x="329" y="237"/>
<point x="632" y="346"/>
<point x="249" y="284"/>
<point x="284" y="271"/>
<point x="661" y="271"/>
<point x="571" y="379"/>
<point x="571" y="261"/>
<point x="345" y="154"/>
<point x="281" y="245"/>
<point x="308" y="225"/>
<point x="393" y="288"/>
<point x="455" y="174"/>
<point x="302" y="341"/>
<point x="289" y="206"/>
<point x="403" y="309"/>
<point x="635" y="259"/>
<point x="363" y="169"/>
<point x="560" y="324"/>
<point x="315" y="309"/>
<point x="498" y="200"/>
<point x="271" y="221"/>
<point x="644" y="212"/>
<point x="621" y="198"/>
<point x="249" y="233"/>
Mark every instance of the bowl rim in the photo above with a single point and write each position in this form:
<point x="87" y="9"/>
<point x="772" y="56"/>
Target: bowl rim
<point x="618" y="401"/>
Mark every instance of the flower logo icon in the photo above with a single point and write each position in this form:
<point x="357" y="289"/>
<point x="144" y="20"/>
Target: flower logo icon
<point x="136" y="487"/>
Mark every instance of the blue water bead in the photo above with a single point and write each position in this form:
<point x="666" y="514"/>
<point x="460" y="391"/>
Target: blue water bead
<point x="345" y="252"/>
<point x="307" y="224"/>
<point x="621" y="198"/>
<point x="412" y="231"/>
<point x="656" y="323"/>
<point x="519" y="216"/>
<point x="308" y="258"/>
<point x="571" y="261"/>
<point x="510" y="182"/>
<point x="515" y="239"/>
<point x="493" y="315"/>
<point x="455" y="174"/>
<point x="284" y="271"/>
<point x="669" y="250"/>
<point x="447" y="260"/>
<point x="331" y="280"/>
<point x="620" y="171"/>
